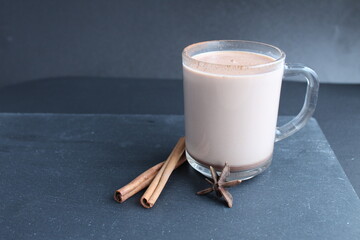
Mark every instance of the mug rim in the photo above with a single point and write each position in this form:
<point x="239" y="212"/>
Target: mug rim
<point x="186" y="55"/>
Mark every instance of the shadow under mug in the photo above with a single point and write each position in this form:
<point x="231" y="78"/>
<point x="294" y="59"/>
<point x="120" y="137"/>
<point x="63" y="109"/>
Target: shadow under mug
<point x="231" y="110"/>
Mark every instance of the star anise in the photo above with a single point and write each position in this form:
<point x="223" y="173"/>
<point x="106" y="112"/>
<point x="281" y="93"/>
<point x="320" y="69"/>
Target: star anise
<point x="219" y="184"/>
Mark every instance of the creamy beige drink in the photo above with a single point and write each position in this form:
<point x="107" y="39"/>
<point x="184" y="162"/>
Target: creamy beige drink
<point x="230" y="113"/>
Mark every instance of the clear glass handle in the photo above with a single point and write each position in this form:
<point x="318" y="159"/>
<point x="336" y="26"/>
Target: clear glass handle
<point x="310" y="100"/>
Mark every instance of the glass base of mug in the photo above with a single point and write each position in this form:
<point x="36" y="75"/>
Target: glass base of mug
<point x="242" y="175"/>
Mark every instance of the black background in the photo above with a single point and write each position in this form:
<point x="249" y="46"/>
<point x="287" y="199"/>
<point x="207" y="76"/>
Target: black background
<point x="144" y="39"/>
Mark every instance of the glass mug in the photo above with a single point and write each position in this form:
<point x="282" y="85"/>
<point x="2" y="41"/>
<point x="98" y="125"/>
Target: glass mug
<point x="231" y="104"/>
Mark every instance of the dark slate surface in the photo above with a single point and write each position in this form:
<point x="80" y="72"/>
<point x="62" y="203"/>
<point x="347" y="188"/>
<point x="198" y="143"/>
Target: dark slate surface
<point x="335" y="112"/>
<point x="58" y="173"/>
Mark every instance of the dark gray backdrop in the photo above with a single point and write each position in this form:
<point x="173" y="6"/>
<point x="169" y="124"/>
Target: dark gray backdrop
<point x="144" y="39"/>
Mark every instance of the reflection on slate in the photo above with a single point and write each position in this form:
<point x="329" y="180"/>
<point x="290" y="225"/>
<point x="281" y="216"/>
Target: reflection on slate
<point x="58" y="174"/>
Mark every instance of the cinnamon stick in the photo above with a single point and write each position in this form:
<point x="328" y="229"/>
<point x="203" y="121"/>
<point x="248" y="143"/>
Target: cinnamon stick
<point x="141" y="182"/>
<point x="157" y="185"/>
<point x="136" y="185"/>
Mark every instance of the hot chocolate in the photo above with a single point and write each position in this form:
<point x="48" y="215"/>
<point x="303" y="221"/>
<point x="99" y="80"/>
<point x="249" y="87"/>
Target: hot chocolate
<point x="231" y="114"/>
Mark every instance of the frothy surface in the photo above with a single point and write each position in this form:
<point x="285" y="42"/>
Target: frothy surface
<point x="238" y="58"/>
